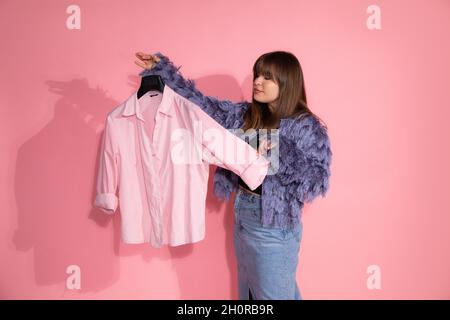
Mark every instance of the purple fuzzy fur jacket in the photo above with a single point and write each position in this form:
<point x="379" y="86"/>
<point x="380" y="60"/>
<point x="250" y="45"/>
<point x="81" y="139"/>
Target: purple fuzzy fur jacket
<point x="304" y="152"/>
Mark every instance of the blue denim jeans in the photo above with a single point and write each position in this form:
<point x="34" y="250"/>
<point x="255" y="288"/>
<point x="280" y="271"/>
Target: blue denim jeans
<point x="267" y="257"/>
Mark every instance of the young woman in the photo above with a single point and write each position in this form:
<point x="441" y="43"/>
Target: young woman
<point x="267" y="224"/>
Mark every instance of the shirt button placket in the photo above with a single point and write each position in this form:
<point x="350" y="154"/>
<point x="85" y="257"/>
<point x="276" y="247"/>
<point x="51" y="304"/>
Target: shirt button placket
<point x="157" y="182"/>
<point x="151" y="182"/>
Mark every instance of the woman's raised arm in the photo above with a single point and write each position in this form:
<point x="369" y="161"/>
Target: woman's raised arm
<point x="225" y="112"/>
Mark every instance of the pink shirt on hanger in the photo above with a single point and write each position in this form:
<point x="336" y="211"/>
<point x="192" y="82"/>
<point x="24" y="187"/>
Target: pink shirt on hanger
<point x="155" y="154"/>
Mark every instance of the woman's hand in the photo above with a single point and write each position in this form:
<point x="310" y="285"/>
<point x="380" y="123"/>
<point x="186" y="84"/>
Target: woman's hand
<point x="264" y="146"/>
<point x="147" y="61"/>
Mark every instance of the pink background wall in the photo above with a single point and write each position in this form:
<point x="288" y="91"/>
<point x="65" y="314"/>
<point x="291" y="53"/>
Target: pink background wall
<point x="384" y="95"/>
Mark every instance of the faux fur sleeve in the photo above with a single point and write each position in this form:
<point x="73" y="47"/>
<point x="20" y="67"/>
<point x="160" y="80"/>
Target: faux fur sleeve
<point x="305" y="165"/>
<point x="225" y="112"/>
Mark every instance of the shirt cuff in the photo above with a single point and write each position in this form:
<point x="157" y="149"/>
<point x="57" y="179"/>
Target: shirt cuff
<point x="107" y="202"/>
<point x="255" y="173"/>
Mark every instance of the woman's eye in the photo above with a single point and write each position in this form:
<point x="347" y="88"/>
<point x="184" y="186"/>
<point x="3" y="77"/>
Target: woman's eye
<point x="267" y="77"/>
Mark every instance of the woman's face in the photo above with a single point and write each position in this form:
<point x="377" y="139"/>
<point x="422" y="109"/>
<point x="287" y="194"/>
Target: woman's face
<point x="265" y="90"/>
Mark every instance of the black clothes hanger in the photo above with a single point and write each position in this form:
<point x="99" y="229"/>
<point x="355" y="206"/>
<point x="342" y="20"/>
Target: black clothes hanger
<point x="151" y="82"/>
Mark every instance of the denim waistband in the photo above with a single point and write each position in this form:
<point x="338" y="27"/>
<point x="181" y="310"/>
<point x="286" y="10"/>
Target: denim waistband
<point x="249" y="199"/>
<point x="248" y="206"/>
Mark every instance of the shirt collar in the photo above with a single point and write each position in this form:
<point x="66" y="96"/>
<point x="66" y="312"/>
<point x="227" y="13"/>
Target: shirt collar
<point x="133" y="107"/>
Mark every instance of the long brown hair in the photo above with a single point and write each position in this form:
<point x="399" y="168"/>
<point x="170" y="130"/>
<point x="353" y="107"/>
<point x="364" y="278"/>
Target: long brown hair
<point x="285" y="70"/>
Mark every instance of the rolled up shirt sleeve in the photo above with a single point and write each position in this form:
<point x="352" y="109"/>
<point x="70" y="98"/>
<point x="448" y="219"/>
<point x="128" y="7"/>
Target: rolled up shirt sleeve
<point x="108" y="172"/>
<point x="254" y="174"/>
